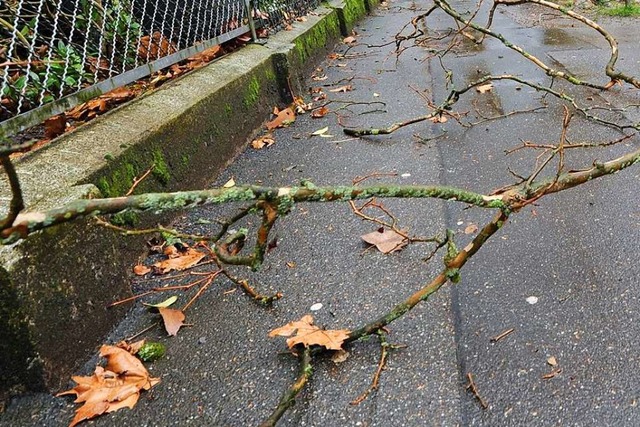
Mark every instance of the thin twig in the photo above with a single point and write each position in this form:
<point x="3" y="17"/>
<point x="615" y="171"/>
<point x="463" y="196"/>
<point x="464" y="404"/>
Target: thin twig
<point x="137" y="181"/>
<point x="502" y="335"/>
<point x="474" y="390"/>
<point x="289" y="396"/>
<point x="384" y="351"/>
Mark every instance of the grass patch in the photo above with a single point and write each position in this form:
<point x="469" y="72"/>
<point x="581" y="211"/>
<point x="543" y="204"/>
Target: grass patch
<point x="631" y="10"/>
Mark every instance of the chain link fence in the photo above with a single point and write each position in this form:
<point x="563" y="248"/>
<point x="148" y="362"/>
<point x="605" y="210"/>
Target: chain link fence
<point x="55" y="54"/>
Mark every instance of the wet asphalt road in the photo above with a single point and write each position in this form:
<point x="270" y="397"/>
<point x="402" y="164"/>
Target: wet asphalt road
<point x="575" y="252"/>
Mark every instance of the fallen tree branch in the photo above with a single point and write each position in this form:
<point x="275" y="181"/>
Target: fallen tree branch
<point x="613" y="44"/>
<point x="423" y="294"/>
<point x="282" y="197"/>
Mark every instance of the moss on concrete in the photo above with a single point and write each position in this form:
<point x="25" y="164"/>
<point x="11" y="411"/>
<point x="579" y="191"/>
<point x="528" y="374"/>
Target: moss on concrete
<point x="352" y="12"/>
<point x="252" y="93"/>
<point x="160" y="170"/>
<point x="317" y="39"/>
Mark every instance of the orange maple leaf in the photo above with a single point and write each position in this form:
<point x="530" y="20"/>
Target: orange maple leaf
<point x="304" y="332"/>
<point x="113" y="387"/>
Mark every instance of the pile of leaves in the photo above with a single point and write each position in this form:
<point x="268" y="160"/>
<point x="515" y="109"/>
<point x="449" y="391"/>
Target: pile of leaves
<point x="114" y="386"/>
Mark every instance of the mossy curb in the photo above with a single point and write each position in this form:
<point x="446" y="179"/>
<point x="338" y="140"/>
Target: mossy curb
<point x="56" y="285"/>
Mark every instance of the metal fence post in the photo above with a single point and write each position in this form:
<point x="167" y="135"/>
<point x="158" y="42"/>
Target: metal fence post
<point x="252" y="25"/>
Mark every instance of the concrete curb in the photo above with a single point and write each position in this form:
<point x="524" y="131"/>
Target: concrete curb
<point x="54" y="287"/>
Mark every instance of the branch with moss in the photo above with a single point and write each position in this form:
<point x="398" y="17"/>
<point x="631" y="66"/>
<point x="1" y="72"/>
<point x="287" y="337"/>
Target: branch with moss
<point x="283" y="198"/>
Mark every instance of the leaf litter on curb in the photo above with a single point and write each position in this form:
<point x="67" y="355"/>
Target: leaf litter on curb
<point x="110" y="388"/>
<point x="304" y="332"/>
<point x="386" y="241"/>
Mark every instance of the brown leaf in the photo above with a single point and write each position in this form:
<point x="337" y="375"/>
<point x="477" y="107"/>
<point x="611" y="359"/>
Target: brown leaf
<point x="141" y="270"/>
<point x="319" y="112"/>
<point x="55" y="126"/>
<point x="485" y="88"/>
<point x="301" y="106"/>
<point x="284" y="117"/>
<point x="114" y="387"/>
<point x="205" y="56"/>
<point x="264" y="141"/>
<point x="119" y="95"/>
<point x="173" y="319"/>
<point x="340" y="356"/>
<point x="349" y="40"/>
<point x="386" y="241"/>
<point x="304" y="332"/>
<point x="132" y="348"/>
<point x="470" y="229"/>
<point x="190" y="258"/>
<point x="121" y="361"/>
<point x="155" y="46"/>
<point x="171" y="251"/>
<point x="345" y="88"/>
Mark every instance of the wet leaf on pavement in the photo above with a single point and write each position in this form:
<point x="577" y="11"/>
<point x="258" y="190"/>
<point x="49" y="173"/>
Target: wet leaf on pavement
<point x="387" y="241"/>
<point x="173" y="319"/>
<point x="113" y="387"/>
<point x="304" y="332"/>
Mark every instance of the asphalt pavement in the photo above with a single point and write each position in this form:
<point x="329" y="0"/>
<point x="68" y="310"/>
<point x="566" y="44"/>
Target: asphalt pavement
<point x="562" y="275"/>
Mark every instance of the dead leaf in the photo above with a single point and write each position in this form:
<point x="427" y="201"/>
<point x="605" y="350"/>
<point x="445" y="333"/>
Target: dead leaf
<point x="132" y="348"/>
<point x="154" y="46"/>
<point x="173" y="319"/>
<point x="283" y="118"/>
<point x="387" y="241"/>
<point x="301" y="106"/>
<point x="552" y="361"/>
<point x="340" y="356"/>
<point x="485" y="88"/>
<point x="320" y="97"/>
<point x="319" y="112"/>
<point x="141" y="270"/>
<point x="55" y="126"/>
<point x="171" y="251"/>
<point x="190" y="258"/>
<point x="320" y="131"/>
<point x="349" y="40"/>
<point x="345" y="88"/>
<point x="229" y="184"/>
<point x="163" y="304"/>
<point x="304" y="332"/>
<point x="119" y="95"/>
<point x="113" y="387"/>
<point x="470" y="229"/>
<point x="264" y="141"/>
